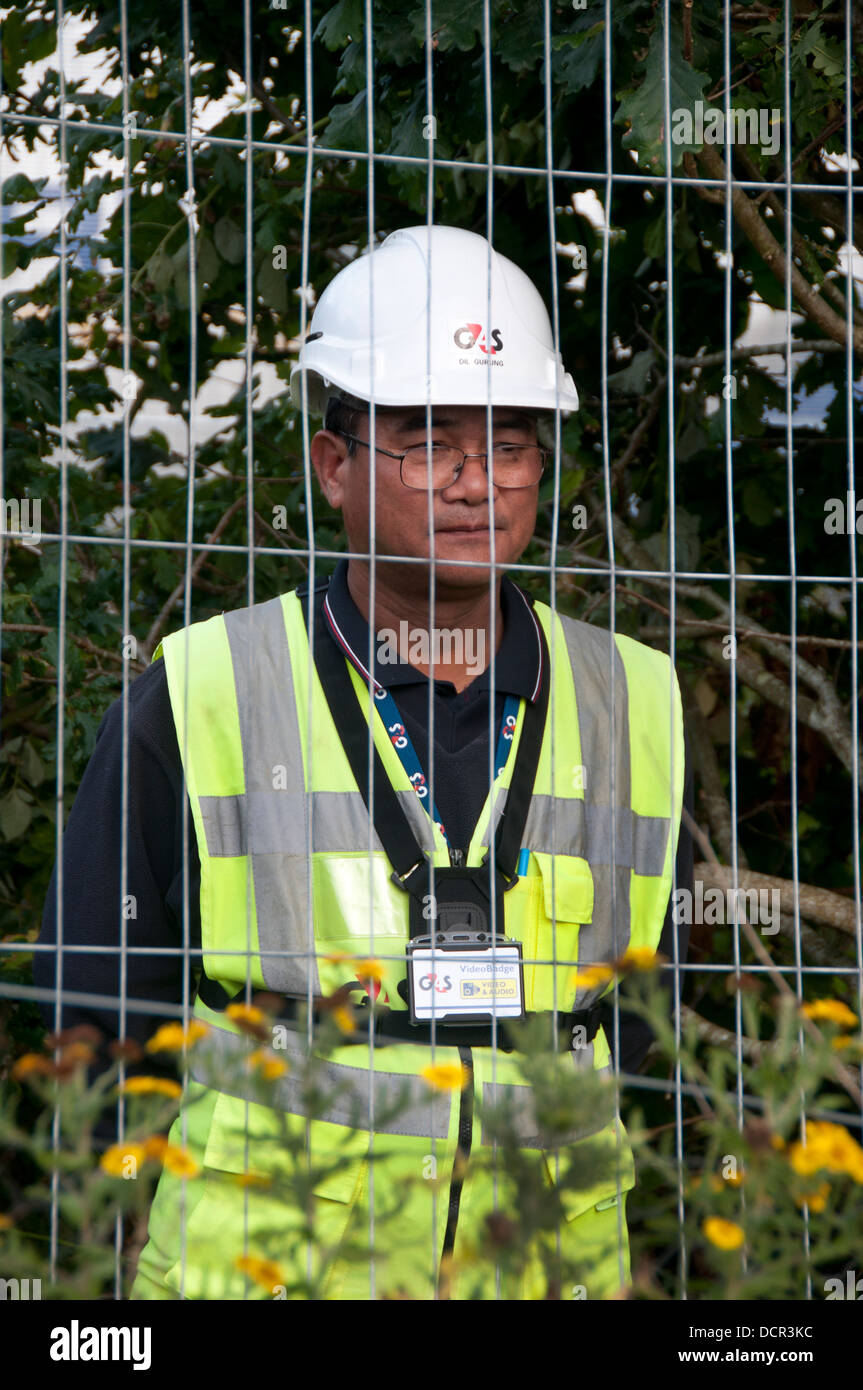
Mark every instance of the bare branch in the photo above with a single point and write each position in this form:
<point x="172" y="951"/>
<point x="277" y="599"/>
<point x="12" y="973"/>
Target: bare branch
<point x="741" y="354"/>
<point x="716" y="806"/>
<point x="818" y="903"/>
<point x="711" y="1033"/>
<point x="761" y="237"/>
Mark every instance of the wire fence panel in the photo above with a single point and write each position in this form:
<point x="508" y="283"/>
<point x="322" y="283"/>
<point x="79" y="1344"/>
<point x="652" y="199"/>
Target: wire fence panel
<point x="430" y="780"/>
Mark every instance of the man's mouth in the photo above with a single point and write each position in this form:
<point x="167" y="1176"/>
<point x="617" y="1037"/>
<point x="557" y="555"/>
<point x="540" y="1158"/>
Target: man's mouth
<point x="465" y="530"/>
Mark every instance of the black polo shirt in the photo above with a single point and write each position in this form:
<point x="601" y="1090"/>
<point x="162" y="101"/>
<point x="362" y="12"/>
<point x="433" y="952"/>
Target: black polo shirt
<point x="459" y="774"/>
<point x="158" y="807"/>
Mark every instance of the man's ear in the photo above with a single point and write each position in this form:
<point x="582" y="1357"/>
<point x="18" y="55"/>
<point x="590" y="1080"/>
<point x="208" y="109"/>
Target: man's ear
<point x="328" y="453"/>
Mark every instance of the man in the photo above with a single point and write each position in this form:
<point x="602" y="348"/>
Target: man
<point x="292" y="887"/>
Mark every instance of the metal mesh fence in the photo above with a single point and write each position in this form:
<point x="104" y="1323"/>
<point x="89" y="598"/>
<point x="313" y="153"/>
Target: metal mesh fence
<point x="180" y="186"/>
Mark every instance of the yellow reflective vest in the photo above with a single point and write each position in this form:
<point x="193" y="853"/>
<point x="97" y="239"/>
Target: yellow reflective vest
<point x="293" y="883"/>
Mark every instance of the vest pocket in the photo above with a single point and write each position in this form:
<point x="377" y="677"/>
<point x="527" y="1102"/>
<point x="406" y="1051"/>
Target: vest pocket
<point x="567" y="887"/>
<point x="560" y="902"/>
<point x="618" y="1176"/>
<point x="274" y="1152"/>
<point x="225" y="1217"/>
<point x="230" y="1220"/>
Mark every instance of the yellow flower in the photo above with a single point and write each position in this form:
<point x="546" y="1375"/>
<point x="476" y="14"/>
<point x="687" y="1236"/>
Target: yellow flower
<point x="445" y="1076"/>
<point x="269" y="1066"/>
<point x="266" y="1273"/>
<point x="639" y="958"/>
<point x="832" y="1011"/>
<point x="805" y="1159"/>
<point x="840" y="1043"/>
<point x="246" y="1013"/>
<point x="29" y="1063"/>
<point x="5" y="1221"/>
<point x="371" y="970"/>
<point x="171" y="1037"/>
<point x="827" y="1146"/>
<point x="816" y="1201"/>
<point x="155" y="1146"/>
<point x="725" y="1235"/>
<point x="591" y="976"/>
<point x="179" y="1162"/>
<point x="152" y="1086"/>
<point x="115" y="1160"/>
<point x="777" y="1142"/>
<point x="344" y="1017"/>
<point x="734" y="1179"/>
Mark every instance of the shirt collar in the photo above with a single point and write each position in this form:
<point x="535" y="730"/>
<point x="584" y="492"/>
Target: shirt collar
<point x="517" y="664"/>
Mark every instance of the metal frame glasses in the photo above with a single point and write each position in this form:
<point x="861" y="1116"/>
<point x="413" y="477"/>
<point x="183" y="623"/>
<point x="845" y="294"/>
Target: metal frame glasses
<point x="421" y="453"/>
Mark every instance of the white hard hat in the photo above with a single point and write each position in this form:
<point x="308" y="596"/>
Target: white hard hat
<point x="373" y="320"/>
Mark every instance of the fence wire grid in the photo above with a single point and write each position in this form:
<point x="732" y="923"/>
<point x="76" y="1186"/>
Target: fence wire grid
<point x="180" y="184"/>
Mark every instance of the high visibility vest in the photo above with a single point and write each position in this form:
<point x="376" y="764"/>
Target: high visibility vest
<point x="293" y="879"/>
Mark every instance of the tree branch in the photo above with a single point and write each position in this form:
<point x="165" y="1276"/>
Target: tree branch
<point x="716" y="803"/>
<point x="768" y="248"/>
<point x="799" y="243"/>
<point x="818" y="903"/>
<point x="739" y="354"/>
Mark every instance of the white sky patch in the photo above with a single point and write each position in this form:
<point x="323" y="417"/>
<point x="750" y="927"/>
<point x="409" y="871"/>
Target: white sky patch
<point x="587" y="205"/>
<point x="43" y="162"/>
<point x="838" y="163"/>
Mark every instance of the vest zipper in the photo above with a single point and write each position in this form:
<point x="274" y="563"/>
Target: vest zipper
<point x="462" y="1153"/>
<point x="456" y="858"/>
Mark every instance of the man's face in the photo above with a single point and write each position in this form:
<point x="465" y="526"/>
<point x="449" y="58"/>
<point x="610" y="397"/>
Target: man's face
<point x="463" y="515"/>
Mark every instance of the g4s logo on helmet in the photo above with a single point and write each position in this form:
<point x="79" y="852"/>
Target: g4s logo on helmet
<point x="473" y="335"/>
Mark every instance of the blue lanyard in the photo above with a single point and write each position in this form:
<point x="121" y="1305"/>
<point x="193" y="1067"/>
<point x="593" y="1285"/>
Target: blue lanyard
<point x="400" y="740"/>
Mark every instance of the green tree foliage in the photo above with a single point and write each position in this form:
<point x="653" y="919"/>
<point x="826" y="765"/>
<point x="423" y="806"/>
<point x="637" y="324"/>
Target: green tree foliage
<point x="125" y="326"/>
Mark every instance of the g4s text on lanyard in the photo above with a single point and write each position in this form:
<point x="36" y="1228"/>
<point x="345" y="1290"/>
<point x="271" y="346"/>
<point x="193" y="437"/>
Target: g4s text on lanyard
<point x="400" y="740"/>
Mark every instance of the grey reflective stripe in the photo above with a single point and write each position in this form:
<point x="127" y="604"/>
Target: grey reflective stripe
<point x="584" y="829"/>
<point x="518" y="1102"/>
<point x="276" y="820"/>
<point x="341" y="824"/>
<point x="421" y="1111"/>
<point x="591" y="653"/>
<point x="270" y="734"/>
<point x="498" y="807"/>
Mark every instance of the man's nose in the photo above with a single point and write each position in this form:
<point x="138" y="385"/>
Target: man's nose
<point x="472" y="482"/>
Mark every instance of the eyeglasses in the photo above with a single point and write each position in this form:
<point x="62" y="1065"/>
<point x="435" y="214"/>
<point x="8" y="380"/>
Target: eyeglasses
<point x="514" y="465"/>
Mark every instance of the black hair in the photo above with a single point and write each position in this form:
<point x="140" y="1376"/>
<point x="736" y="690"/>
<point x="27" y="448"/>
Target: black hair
<point x="343" y="417"/>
